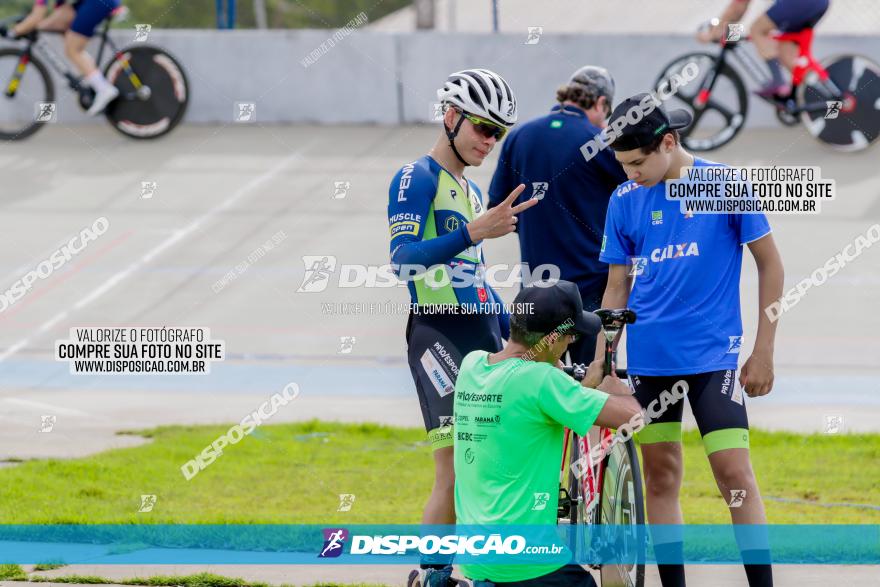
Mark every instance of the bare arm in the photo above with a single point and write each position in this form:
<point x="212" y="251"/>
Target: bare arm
<point x="38" y="13"/>
<point x="615" y="296"/>
<point x="733" y="13"/>
<point x="617" y="411"/>
<point x="756" y="376"/>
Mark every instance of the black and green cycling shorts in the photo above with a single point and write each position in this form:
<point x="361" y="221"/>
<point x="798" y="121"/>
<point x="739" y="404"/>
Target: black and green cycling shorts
<point x="717" y="402"/>
<point x="436" y="345"/>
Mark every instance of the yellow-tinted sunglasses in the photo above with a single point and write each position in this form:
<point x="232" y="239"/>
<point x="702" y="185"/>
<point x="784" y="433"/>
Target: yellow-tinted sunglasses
<point x="485" y="128"/>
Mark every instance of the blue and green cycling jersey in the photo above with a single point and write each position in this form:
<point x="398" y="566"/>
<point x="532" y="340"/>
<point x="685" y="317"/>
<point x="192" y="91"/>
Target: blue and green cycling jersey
<point x="430" y="246"/>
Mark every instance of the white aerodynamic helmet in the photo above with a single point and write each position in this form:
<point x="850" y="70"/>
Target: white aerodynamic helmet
<point x="482" y="93"/>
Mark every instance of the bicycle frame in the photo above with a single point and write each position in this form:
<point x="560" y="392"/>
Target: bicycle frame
<point x="62" y="67"/>
<point x="805" y="64"/>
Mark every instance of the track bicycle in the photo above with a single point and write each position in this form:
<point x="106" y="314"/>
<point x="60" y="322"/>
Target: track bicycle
<point x="153" y="88"/>
<point x="837" y="100"/>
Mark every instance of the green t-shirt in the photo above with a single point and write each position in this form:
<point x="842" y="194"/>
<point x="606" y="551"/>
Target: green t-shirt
<point x="509" y="420"/>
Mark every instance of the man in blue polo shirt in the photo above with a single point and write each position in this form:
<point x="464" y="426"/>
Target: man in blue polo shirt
<point x="680" y="274"/>
<point x="565" y="229"/>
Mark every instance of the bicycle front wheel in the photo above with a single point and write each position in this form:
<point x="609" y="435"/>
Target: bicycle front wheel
<point x="850" y="122"/>
<point x="622" y="507"/>
<point x="153" y="92"/>
<point x="718" y="115"/>
<point x="28" y="98"/>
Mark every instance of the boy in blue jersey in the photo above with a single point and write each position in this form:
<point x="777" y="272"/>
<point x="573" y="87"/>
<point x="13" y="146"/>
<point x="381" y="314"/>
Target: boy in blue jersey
<point x="680" y="274"/>
<point x="437" y="224"/>
<point x="545" y="153"/>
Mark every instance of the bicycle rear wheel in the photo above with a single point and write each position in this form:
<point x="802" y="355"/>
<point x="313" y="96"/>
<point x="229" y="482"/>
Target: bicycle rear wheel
<point x="26" y="89"/>
<point x="158" y="104"/>
<point x="722" y="116"/>
<point x="621" y="505"/>
<point x="855" y="125"/>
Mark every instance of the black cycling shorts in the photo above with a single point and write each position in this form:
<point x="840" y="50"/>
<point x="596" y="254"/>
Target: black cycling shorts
<point x="792" y="16"/>
<point x="436" y="345"/>
<point x="717" y="402"/>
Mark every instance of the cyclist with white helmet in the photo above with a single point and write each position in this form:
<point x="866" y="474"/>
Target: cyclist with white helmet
<point x="437" y="223"/>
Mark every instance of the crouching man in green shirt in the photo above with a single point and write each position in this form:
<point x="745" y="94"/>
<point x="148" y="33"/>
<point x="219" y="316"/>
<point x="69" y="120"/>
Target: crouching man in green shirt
<point x="510" y="411"/>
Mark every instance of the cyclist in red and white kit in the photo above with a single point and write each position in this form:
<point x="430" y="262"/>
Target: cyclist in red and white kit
<point x="79" y="19"/>
<point x="786" y="16"/>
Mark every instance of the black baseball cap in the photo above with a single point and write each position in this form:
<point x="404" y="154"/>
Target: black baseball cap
<point x="554" y="304"/>
<point x="651" y="124"/>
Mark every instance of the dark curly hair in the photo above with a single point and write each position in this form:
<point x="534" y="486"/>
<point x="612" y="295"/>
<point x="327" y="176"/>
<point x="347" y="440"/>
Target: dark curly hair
<point x="579" y="95"/>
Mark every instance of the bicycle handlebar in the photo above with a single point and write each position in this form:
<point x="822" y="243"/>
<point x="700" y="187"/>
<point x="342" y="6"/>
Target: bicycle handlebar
<point x="612" y="322"/>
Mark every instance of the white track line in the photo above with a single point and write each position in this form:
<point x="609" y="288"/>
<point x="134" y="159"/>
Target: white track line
<point x="175" y="237"/>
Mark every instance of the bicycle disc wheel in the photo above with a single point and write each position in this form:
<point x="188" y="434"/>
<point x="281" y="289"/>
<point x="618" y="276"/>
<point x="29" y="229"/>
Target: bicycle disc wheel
<point x="855" y="124"/>
<point x="723" y="115"/>
<point x="19" y="113"/>
<point x="621" y="504"/>
<point x="155" y="108"/>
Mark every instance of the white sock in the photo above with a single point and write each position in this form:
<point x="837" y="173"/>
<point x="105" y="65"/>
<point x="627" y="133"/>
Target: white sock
<point x="97" y="80"/>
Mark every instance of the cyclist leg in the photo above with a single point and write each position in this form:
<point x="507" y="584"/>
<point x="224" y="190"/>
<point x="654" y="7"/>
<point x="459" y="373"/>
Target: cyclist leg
<point x="59" y="20"/>
<point x="663" y="468"/>
<point x="89" y="14"/>
<point x="719" y="408"/>
<point x="784" y="16"/>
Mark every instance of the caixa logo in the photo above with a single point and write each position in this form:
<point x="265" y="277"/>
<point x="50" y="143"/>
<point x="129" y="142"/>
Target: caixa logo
<point x="320" y="268"/>
<point x="334" y="542"/>
<point x="675" y="251"/>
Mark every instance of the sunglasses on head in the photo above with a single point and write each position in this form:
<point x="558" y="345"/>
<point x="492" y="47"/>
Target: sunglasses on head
<point x="485" y="128"/>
